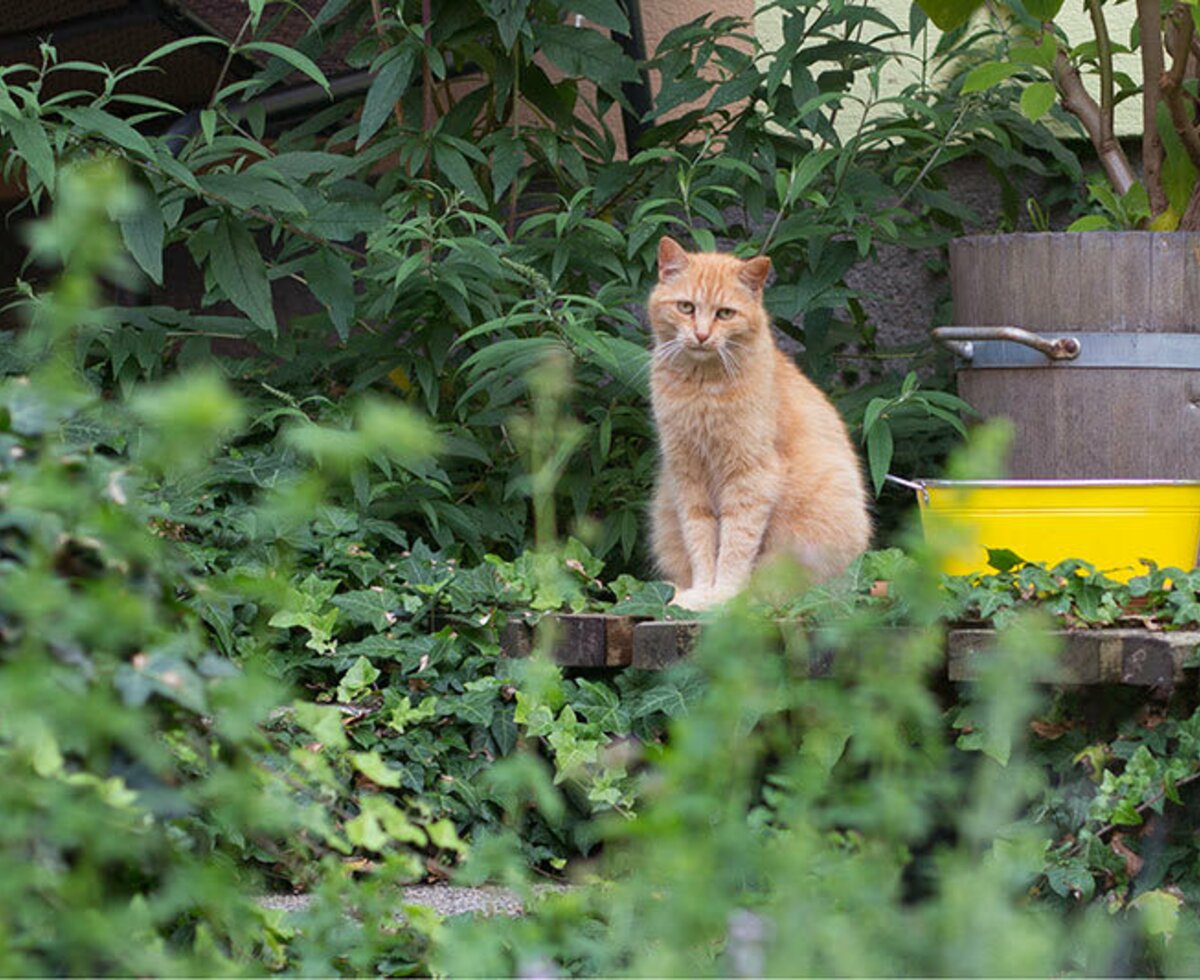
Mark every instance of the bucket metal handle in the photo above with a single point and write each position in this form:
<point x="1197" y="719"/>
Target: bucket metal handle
<point x="959" y="340"/>
<point x="915" y="485"/>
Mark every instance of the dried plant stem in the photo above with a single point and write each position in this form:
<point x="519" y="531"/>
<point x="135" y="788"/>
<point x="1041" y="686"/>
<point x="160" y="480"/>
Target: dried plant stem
<point x="1150" y="19"/>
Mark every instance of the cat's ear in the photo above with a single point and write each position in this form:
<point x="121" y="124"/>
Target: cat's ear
<point x="754" y="272"/>
<point x="672" y="259"/>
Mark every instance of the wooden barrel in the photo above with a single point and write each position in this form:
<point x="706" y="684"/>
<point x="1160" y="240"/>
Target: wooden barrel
<point x="1102" y="380"/>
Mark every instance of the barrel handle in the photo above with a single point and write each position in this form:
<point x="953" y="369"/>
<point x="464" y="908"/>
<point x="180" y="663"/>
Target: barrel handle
<point x="959" y="340"/>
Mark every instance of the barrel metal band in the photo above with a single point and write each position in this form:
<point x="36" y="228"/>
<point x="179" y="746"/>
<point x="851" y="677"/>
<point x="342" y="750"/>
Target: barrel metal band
<point x="1176" y="351"/>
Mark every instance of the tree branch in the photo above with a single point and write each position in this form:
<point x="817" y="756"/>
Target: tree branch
<point x="1104" y="59"/>
<point x="1150" y="19"/>
<point x="1190" y="221"/>
<point x="1171" y="85"/>
<point x="1076" y="100"/>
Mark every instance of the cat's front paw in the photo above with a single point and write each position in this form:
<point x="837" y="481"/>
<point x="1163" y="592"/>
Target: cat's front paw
<point x="695" y="599"/>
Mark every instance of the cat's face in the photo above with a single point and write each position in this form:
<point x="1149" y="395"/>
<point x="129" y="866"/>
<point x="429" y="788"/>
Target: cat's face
<point x="707" y="305"/>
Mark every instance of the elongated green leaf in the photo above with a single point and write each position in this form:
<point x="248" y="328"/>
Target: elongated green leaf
<point x="988" y="74"/>
<point x="331" y="280"/>
<point x="454" y="165"/>
<point x="385" y="91"/>
<point x="603" y="13"/>
<point x="298" y="60"/>
<point x="248" y="191"/>
<point x="584" y="53"/>
<point x="115" y="130"/>
<point x="143" y="232"/>
<point x="241" y="272"/>
<point x="509" y="17"/>
<point x="208" y="125"/>
<point x="879" y="453"/>
<point x="508" y="153"/>
<point x="33" y="145"/>
<point x="1044" y="9"/>
<point x="949" y="14"/>
<point x="339" y="221"/>
<point x="184" y="42"/>
<point x="1037" y="99"/>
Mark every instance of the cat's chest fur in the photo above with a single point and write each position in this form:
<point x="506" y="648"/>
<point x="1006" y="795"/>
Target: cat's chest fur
<point x="721" y="421"/>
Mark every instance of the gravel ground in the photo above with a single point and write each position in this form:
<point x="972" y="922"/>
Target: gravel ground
<point x="444" y="899"/>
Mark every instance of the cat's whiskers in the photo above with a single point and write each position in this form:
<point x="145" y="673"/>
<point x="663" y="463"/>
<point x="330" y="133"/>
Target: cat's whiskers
<point x="731" y="359"/>
<point x="666" y="352"/>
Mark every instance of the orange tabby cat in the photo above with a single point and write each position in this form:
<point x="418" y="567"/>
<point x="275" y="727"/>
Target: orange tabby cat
<point x="755" y="459"/>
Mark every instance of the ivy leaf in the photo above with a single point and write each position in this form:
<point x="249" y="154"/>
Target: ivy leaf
<point x="666" y="699"/>
<point x="357" y="680"/>
<point x="241" y="273"/>
<point x="1004" y="560"/>
<point x="1159" y="910"/>
<point x="323" y="722"/>
<point x="375" y="769"/>
<point x="1071" y="880"/>
<point x="369" y="606"/>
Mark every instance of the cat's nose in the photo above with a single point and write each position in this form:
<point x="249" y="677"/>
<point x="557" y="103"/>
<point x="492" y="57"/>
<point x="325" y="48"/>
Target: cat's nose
<point x="703" y="333"/>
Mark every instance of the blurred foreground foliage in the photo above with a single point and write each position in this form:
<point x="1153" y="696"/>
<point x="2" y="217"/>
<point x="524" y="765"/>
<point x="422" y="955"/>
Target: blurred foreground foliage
<point x="250" y="597"/>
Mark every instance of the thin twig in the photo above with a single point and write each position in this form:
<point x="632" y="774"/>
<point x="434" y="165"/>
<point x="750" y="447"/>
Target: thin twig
<point x="229" y="60"/>
<point x="942" y="144"/>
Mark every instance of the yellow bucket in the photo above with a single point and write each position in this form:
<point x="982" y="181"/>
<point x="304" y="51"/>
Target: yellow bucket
<point x="1112" y="524"/>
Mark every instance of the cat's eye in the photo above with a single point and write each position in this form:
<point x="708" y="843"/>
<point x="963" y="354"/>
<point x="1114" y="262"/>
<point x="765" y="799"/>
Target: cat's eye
<point x="685" y="307"/>
<point x="725" y="313"/>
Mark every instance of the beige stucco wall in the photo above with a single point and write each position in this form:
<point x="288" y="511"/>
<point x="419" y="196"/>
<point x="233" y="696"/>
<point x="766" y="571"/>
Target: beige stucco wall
<point x="1073" y="19"/>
